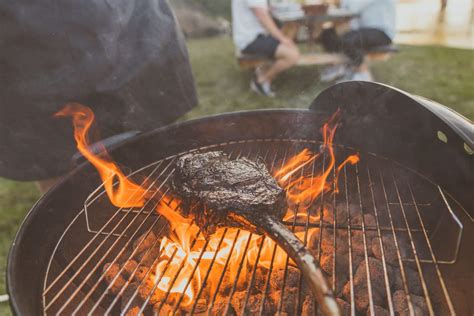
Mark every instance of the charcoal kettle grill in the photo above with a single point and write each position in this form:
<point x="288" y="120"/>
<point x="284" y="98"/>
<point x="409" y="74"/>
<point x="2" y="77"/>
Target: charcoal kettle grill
<point x="415" y="175"/>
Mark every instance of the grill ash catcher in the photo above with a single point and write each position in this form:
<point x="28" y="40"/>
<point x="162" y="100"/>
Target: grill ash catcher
<point x="401" y="222"/>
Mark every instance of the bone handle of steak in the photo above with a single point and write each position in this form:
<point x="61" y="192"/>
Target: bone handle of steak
<point x="303" y="258"/>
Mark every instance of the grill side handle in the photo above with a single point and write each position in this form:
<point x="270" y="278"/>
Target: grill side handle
<point x="274" y="229"/>
<point x="460" y="124"/>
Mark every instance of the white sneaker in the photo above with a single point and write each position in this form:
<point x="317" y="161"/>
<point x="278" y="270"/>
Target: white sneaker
<point x="263" y="88"/>
<point x="363" y="76"/>
<point x="347" y="77"/>
<point x="331" y="73"/>
<point x="357" y="76"/>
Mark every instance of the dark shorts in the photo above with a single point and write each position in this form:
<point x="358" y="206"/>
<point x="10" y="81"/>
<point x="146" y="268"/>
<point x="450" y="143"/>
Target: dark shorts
<point x="263" y="45"/>
<point x="354" y="43"/>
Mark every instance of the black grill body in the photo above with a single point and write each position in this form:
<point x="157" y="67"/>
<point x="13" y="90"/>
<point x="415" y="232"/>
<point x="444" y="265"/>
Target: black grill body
<point x="374" y="119"/>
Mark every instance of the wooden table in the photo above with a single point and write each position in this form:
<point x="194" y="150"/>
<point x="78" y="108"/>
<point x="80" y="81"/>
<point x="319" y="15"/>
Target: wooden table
<point x="339" y="18"/>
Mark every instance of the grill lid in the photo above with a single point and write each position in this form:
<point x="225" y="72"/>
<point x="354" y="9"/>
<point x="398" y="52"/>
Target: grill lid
<point x="419" y="133"/>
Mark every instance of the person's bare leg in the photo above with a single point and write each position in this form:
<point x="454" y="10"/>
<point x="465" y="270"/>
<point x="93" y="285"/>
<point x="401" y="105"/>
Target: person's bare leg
<point x="286" y="57"/>
<point x="262" y="69"/>
<point x="362" y="67"/>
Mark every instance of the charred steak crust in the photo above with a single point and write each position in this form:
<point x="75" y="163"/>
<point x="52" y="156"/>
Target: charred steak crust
<point x="216" y="189"/>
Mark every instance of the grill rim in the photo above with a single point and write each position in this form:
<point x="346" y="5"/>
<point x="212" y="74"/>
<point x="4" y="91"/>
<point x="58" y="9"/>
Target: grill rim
<point x="85" y="169"/>
<point x="283" y="141"/>
<point x="12" y="288"/>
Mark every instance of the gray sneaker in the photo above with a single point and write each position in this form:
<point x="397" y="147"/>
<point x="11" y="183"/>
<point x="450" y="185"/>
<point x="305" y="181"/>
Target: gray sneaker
<point x="331" y="73"/>
<point x="363" y="76"/>
<point x="357" y="76"/>
<point x="262" y="88"/>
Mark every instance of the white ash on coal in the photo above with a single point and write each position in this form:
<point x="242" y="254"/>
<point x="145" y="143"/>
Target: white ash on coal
<point x="115" y="281"/>
<point x="330" y="245"/>
<point x="252" y="305"/>
<point x="400" y="304"/>
<point x="361" y="290"/>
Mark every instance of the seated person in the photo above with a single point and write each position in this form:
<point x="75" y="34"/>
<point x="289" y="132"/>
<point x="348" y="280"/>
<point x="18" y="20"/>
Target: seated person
<point x="375" y="26"/>
<point x="255" y="33"/>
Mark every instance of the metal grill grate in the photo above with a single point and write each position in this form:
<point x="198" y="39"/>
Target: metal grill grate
<point x="405" y="209"/>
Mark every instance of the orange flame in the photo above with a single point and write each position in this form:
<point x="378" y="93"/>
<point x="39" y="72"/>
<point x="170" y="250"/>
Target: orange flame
<point x="185" y="256"/>
<point x="126" y="193"/>
<point x="304" y="190"/>
<point x="301" y="190"/>
<point x="180" y="252"/>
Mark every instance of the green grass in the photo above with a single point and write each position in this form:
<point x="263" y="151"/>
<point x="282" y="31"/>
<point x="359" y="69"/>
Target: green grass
<point x="16" y="198"/>
<point x="445" y="75"/>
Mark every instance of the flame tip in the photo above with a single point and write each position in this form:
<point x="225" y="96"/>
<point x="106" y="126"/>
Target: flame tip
<point x="178" y="270"/>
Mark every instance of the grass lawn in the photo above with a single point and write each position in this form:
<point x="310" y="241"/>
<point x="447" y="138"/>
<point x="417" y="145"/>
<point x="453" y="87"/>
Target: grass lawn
<point x="445" y="75"/>
<point x="15" y="200"/>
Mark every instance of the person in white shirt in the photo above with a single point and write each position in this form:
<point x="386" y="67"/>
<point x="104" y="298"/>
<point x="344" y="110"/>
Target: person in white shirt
<point x="255" y="33"/>
<point x="374" y="27"/>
